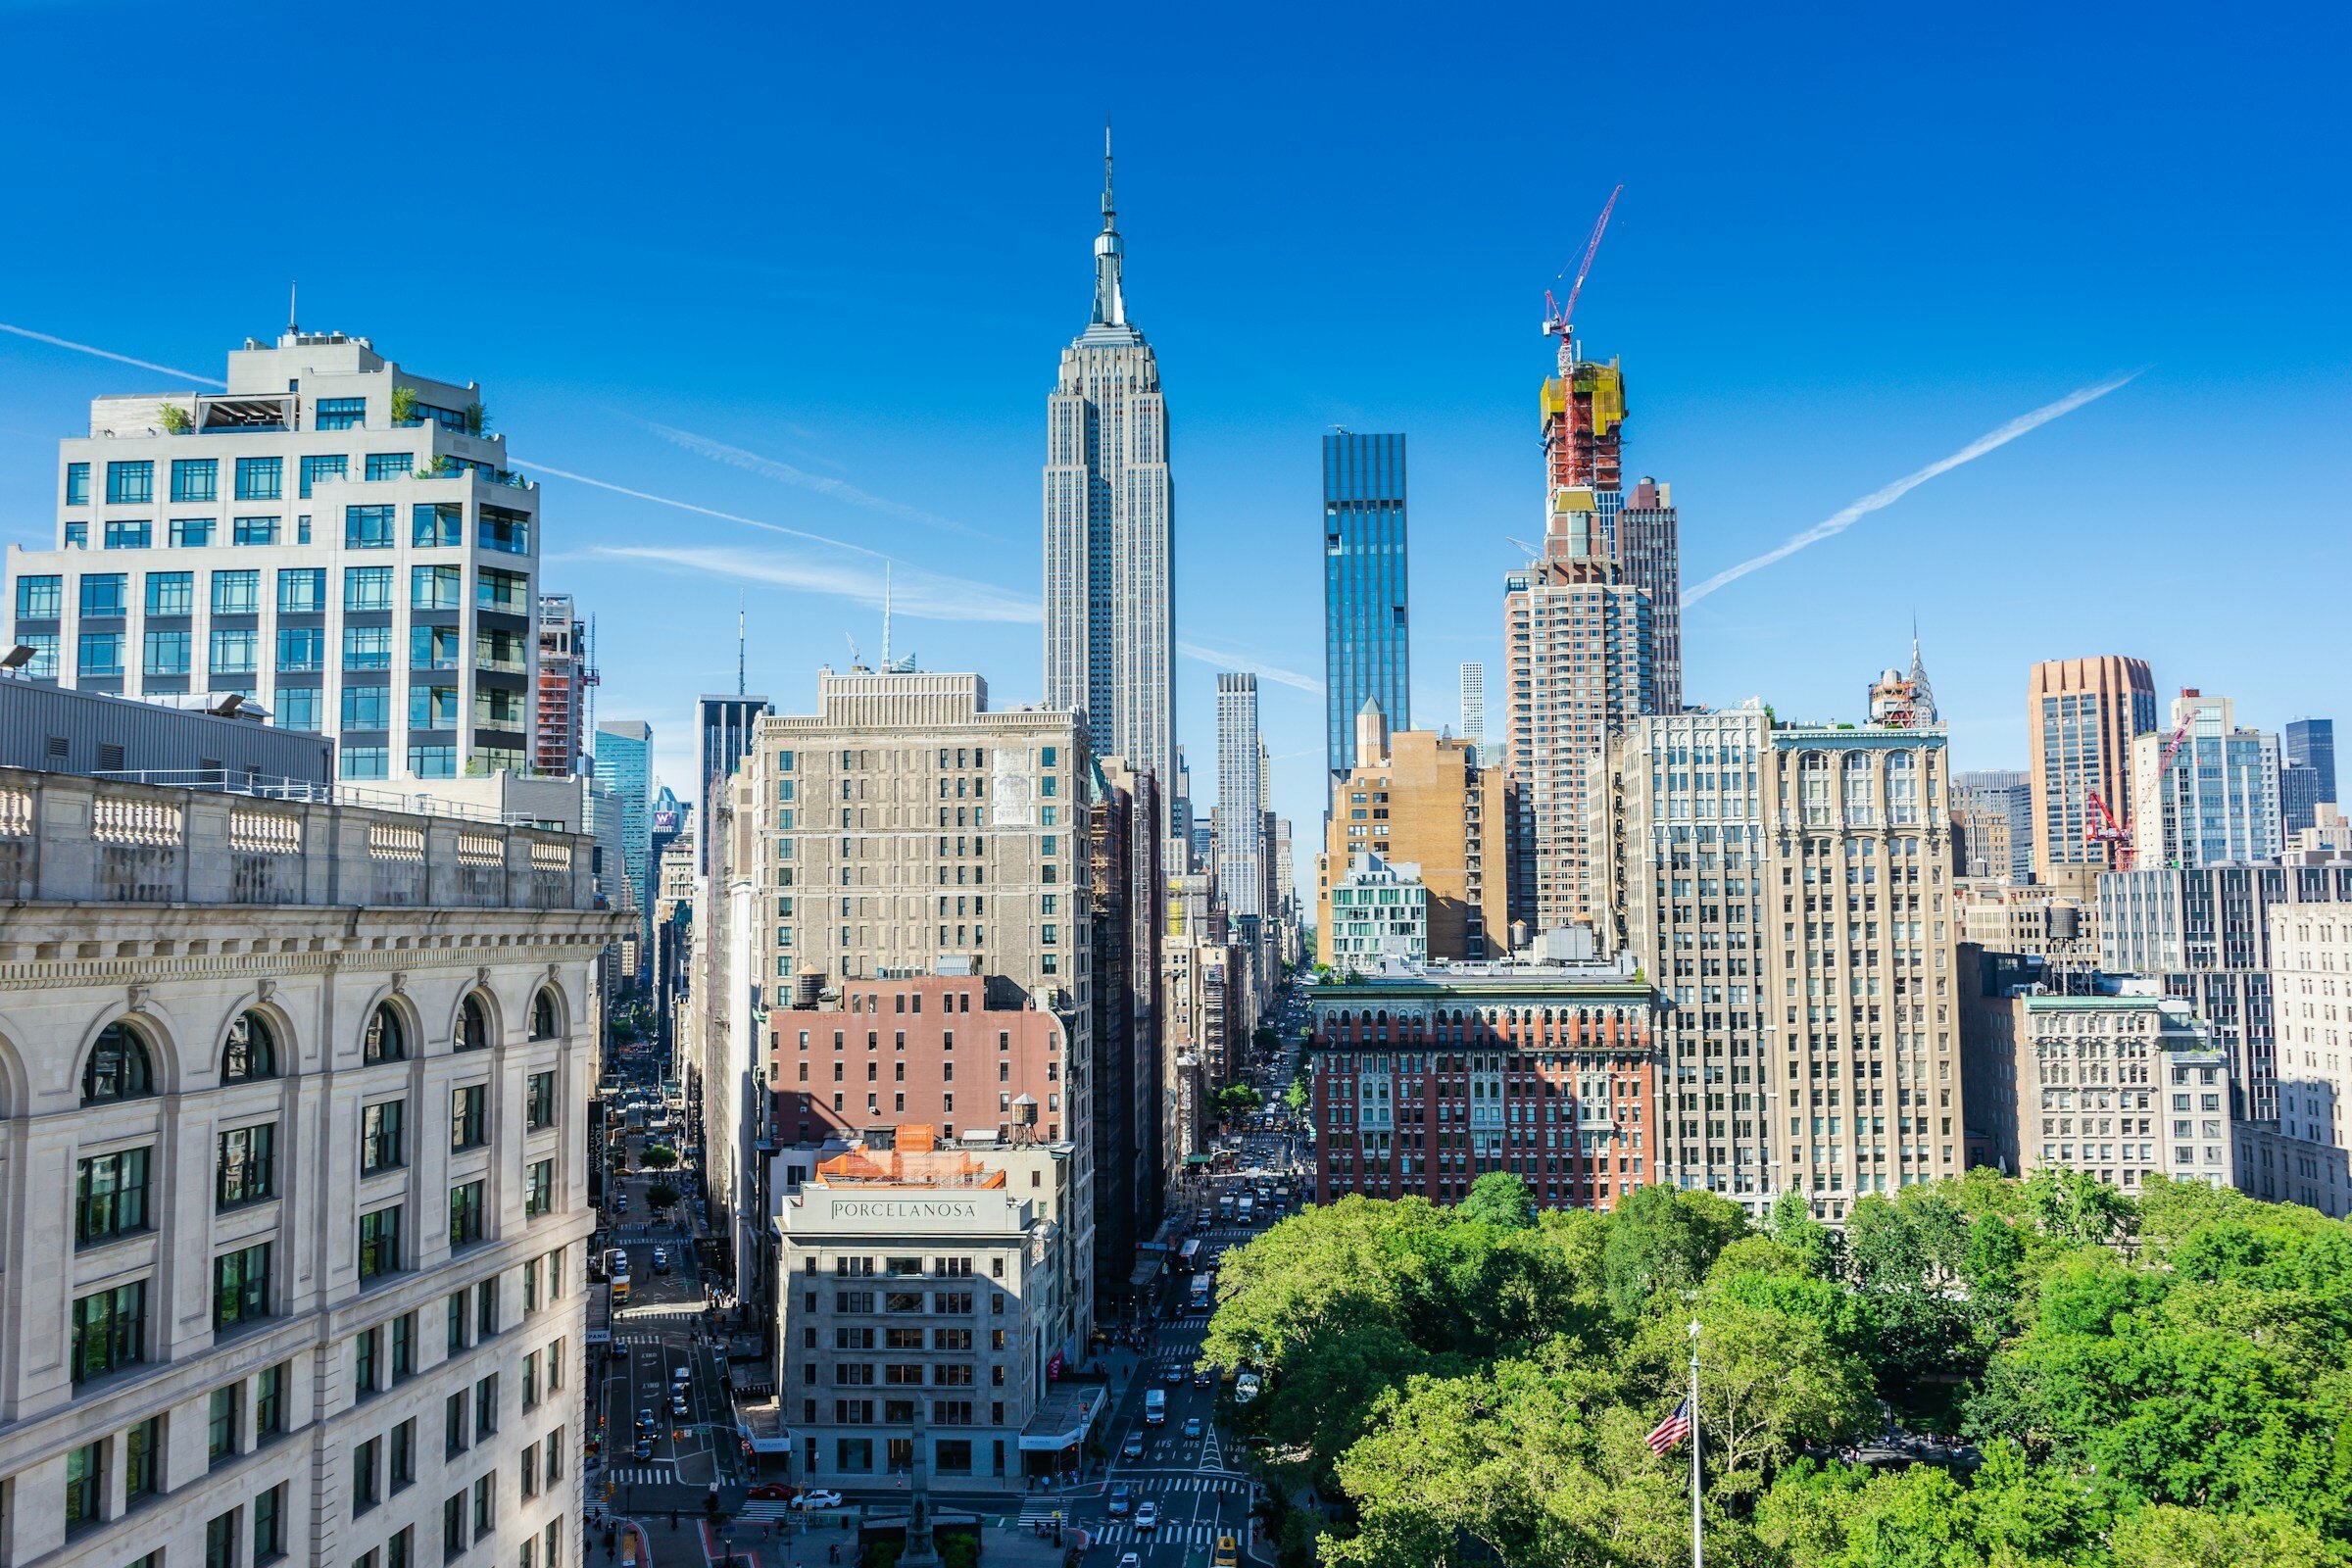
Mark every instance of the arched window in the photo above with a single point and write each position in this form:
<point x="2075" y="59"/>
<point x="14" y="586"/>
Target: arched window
<point x="387" y="1040"/>
<point x="543" y="1017"/>
<point x="120" y="1067"/>
<point x="252" y="1050"/>
<point x="473" y="1024"/>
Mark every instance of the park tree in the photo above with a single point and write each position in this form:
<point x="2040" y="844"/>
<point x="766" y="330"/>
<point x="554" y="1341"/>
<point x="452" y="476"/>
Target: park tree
<point x="1499" y="1198"/>
<point x="1662" y="1240"/>
<point x="659" y="1157"/>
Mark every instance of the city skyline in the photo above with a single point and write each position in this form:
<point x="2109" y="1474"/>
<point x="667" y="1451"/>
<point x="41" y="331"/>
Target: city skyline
<point x="809" y="425"/>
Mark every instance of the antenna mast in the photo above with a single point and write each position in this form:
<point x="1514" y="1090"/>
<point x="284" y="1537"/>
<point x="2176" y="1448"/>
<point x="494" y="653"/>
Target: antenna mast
<point x="739" y="685"/>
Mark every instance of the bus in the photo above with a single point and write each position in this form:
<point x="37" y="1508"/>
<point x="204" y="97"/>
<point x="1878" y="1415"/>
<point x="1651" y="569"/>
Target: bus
<point x="1188" y="1257"/>
<point x="1155" y="1407"/>
<point x="1200" y="1286"/>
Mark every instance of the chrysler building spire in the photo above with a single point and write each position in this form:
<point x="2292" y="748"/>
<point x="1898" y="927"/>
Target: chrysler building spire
<point x="1110" y="308"/>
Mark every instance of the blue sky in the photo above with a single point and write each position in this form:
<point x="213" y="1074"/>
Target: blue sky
<point x="814" y="270"/>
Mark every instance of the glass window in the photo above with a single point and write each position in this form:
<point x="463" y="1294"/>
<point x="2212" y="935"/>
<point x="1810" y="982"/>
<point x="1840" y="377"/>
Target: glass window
<point x="101" y="652"/>
<point x="110" y="1331"/>
<point x="339" y="414"/>
<point x="473" y="1023"/>
<point x="42" y="598"/>
<point x="119" y="1068"/>
<point x="110" y="1195"/>
<point x="169" y="593"/>
<point x="381" y="1143"/>
<point x="220" y="1424"/>
<point x="368" y="588"/>
<point x="366" y="1475"/>
<point x="192" y="533"/>
<point x="195" y="479"/>
<point x="77" y="484"/>
<point x="390" y="464"/>
<point x="299" y="648"/>
<point x="78" y="537"/>
<point x="142" y="1444"/>
<point x="127" y="535"/>
<point x="104" y="593"/>
<point x="436" y="523"/>
<point x="235" y="650"/>
<point x="366" y="707"/>
<point x="404" y="1345"/>
<point x="86" y="1486"/>
<point x="236" y="593"/>
<point x="367" y="1354"/>
<point x="433" y="648"/>
<point x="499" y="651"/>
<point x="380" y="1243"/>
<point x="366" y="647"/>
<point x="468" y="1116"/>
<point x="261" y="479"/>
<point x="129" y="483"/>
<point x="368" y="527"/>
<point x="320" y="468"/>
<point x="270" y="1402"/>
<point x="544" y="1022"/>
<point x="166" y="653"/>
<point x="42" y="666"/>
<point x="539" y="1196"/>
<point x="247" y="1169"/>
<point x="387" y="1040"/>
<point x="502" y="590"/>
<point x="503" y="528"/>
<point x="301" y="590"/>
<point x="433" y="761"/>
<point x="464" y="1214"/>
<point x="221" y="1540"/>
<point x="433" y="707"/>
<point x="436" y="587"/>
<point x="269" y="1526"/>
<point x="298" y="706"/>
<point x="241" y="1286"/>
<point x="403" y="1465"/>
<point x="252" y="1050"/>
<point x="485" y="1408"/>
<point x="254" y="532"/>
<point x="539" y="1103"/>
<point x="367" y="761"/>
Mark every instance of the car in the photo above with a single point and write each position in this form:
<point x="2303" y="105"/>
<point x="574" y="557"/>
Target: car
<point x="661" y="1259"/>
<point x="768" y="1492"/>
<point x="677" y="1405"/>
<point x="1191" y="1426"/>
<point x="1122" y="1498"/>
<point x="1133" y="1447"/>
<point x="679" y="1377"/>
<point x="1128" y="1560"/>
<point x="817" y="1497"/>
<point x="1174" y="1375"/>
<point x="1205" y="1376"/>
<point x="642" y="1449"/>
<point x="1147" y="1516"/>
<point x="645" y="1419"/>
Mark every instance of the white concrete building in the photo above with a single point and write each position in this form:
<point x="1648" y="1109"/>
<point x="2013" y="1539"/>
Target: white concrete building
<point x="329" y="534"/>
<point x="291" y="1155"/>
<point x="2121" y="1088"/>
<point x="1380" y="909"/>
<point x="2217" y="801"/>
<point x="2305" y="1157"/>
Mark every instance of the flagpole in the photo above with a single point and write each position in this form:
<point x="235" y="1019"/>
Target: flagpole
<point x="1697" y="1546"/>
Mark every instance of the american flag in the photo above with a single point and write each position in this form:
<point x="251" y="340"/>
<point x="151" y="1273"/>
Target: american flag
<point x="1671" y="1431"/>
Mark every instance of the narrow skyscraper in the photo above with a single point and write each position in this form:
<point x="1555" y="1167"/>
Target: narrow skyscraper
<point x="1474" y="711"/>
<point x="1241" y="845"/>
<point x="1647" y="543"/>
<point x="2080" y="715"/>
<point x="1109" y="648"/>
<point x="1365" y="646"/>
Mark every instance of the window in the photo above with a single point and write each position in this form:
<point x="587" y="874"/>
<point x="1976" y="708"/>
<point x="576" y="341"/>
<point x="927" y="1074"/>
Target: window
<point x="453" y="1526"/>
<point x="399" y="1550"/>
<point x="433" y="648"/>
<point x="453" y="1425"/>
<point x="381" y="1143"/>
<point x="485" y="1408"/>
<point x="367" y="761"/>
<point x="42" y="598"/>
<point x="78" y="537"/>
<point x="261" y="479"/>
<point x="504" y="529"/>
<point x="236" y="593"/>
<point x="380" y="1243"/>
<point x="247" y="1169"/>
<point x="502" y="590"/>
<point x="110" y="1329"/>
<point x="540" y="1196"/>
<point x="368" y="527"/>
<point x="104" y="593"/>
<point x="456" y="1321"/>
<point x="468" y="1116"/>
<point x="436" y="587"/>
<point x="169" y="593"/>
<point x="86" y="1486"/>
<point x="404" y="1347"/>
<point x="129" y="483"/>
<point x="235" y="650"/>
<point x="390" y="466"/>
<point x="241" y="1286"/>
<point x="433" y="761"/>
<point x="386" y="1041"/>
<point x="127" y="535"/>
<point x="368" y="588"/>
<point x="192" y="479"/>
<point x="539" y="1101"/>
<point x="298" y="649"/>
<point x="402" y="1457"/>
<point x="77" y="484"/>
<point x="42" y="666"/>
<point x="339" y="414"/>
<point x="433" y="524"/>
<point x="301" y="590"/>
<point x="366" y="1475"/>
<point x="485" y="1513"/>
<point x="119" y="1068"/>
<point x="192" y="533"/>
<point x="298" y="708"/>
<point x="254" y="531"/>
<point x="110" y="1195"/>
<point x="252" y="1050"/>
<point x="473" y="1024"/>
<point x="466" y="1214"/>
<point x="166" y="653"/>
<point x="101" y="652"/>
<point x="221" y="1540"/>
<point x="220" y="1424"/>
<point x="318" y="469"/>
<point x="366" y="1362"/>
<point x="485" y="1309"/>
<point x="269" y="1526"/>
<point x="269" y="1402"/>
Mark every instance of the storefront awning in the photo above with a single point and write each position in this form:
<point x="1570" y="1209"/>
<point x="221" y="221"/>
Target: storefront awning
<point x="1064" y="1418"/>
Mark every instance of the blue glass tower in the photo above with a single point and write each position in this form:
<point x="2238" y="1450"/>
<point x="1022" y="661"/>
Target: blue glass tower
<point x="1365" y="622"/>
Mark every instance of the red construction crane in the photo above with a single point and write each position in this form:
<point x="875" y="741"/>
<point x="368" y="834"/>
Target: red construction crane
<point x="1556" y="316"/>
<point x="2101" y="827"/>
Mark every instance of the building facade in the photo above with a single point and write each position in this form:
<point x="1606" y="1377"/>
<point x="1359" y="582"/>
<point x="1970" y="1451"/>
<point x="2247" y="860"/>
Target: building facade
<point x="1474" y="710"/>
<point x="2121" y="1088"/>
<point x="2217" y="801"/>
<point x="335" y="537"/>
<point x="1123" y="883"/>
<point x="1421" y="1081"/>
<point x="2306" y="1156"/>
<point x="567" y="669"/>
<point x="2081" y="717"/>
<point x="1366" y="633"/>
<point x="1241" y="839"/>
<point x="1417" y="797"/>
<point x="1647" y="545"/>
<point x="1109" y="594"/>
<point x="1379" y="912"/>
<point x="2311" y="742"/>
<point x="722" y="728"/>
<point x="625" y="770"/>
<point x="309" y="1082"/>
<point x="1992" y="825"/>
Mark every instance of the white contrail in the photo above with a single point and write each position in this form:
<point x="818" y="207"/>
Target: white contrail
<point x="919" y="594"/>
<point x="1851" y="514"/>
<point x="688" y="506"/>
<point x="107" y="354"/>
<point x="1250" y="664"/>
<point x="784" y="472"/>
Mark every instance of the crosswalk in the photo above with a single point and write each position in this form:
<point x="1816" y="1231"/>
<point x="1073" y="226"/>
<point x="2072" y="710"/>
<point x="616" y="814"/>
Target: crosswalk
<point x="693" y="1309"/>
<point x="644" y="1337"/>
<point x="762" y="1510"/>
<point x="1040" y="1510"/>
<point x="662" y="1473"/>
<point x="1178" y="1485"/>
<point x="1120" y="1531"/>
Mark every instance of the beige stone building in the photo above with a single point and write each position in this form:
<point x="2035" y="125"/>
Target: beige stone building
<point x="2080" y="716"/>
<point x="2121" y="1088"/>
<point x="2057" y="920"/>
<point x="1417" y="797"/>
<point x="2302" y="1156"/>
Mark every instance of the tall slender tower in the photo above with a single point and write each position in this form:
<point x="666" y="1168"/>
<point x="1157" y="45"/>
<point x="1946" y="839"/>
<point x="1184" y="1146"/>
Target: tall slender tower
<point x="1366" y="648"/>
<point x="1474" y="710"/>
<point x="2080" y="715"/>
<point x="1241" y="812"/>
<point x="1109" y="649"/>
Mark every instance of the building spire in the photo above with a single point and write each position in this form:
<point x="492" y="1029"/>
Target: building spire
<point x="1111" y="308"/>
<point x="1923" y="696"/>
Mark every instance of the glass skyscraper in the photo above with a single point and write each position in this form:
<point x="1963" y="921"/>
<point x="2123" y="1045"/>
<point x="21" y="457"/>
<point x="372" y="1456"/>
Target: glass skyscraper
<point x="1365" y="646"/>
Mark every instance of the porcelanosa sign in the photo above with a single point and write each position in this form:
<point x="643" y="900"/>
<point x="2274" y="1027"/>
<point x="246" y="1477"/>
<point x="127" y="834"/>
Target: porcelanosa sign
<point x="923" y="1209"/>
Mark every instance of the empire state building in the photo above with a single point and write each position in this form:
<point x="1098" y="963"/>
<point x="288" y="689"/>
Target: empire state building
<point x="1109" y="646"/>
